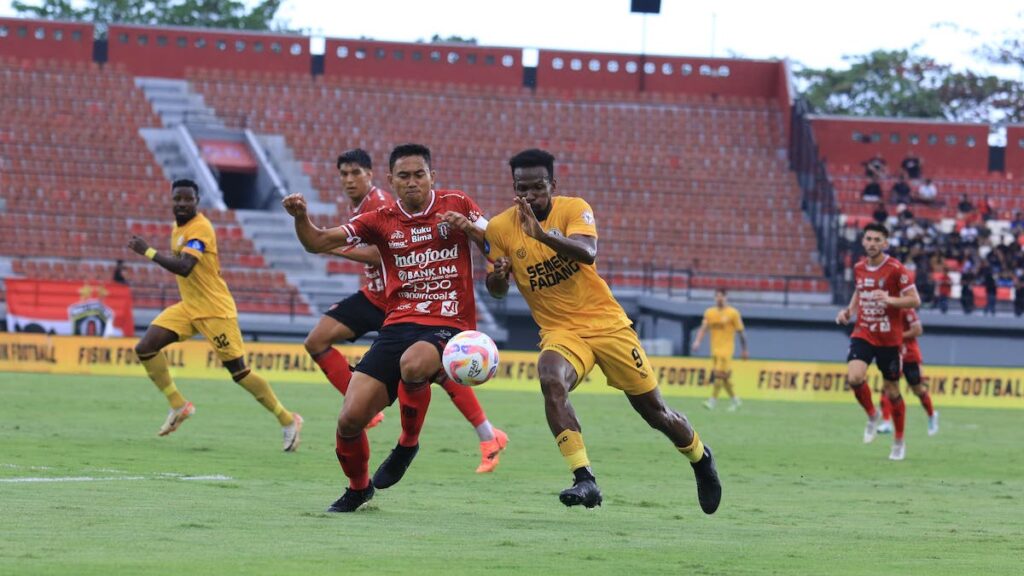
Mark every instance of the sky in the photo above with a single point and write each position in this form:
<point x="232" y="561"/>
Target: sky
<point x="815" y="34"/>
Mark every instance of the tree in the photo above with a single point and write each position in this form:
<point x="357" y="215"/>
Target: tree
<point x="905" y="84"/>
<point x="437" y="39"/>
<point x="230" y="14"/>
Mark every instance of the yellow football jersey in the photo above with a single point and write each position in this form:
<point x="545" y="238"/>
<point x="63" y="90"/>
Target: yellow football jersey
<point x="562" y="294"/>
<point x="204" y="293"/>
<point x="723" y="324"/>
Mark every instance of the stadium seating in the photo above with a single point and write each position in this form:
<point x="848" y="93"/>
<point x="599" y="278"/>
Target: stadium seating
<point x="683" y="181"/>
<point x="77" y="180"/>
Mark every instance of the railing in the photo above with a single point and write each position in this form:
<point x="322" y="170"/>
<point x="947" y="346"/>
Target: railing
<point x="683" y="282"/>
<point x="247" y="300"/>
<point x="818" y="197"/>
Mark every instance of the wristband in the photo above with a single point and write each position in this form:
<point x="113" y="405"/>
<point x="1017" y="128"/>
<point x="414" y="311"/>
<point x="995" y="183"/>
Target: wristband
<point x="150" y="253"/>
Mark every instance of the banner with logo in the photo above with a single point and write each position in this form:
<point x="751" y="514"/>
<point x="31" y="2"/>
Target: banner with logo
<point x="69" y="308"/>
<point x="765" y="379"/>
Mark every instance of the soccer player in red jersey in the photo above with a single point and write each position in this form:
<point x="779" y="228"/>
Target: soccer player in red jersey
<point x="883" y="290"/>
<point x="424" y="243"/>
<point x="912" y="359"/>
<point x="363" y="312"/>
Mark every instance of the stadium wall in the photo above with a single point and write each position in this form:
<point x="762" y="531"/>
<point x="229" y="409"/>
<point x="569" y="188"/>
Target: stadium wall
<point x="456" y="63"/>
<point x="1014" y="159"/>
<point x="947" y="147"/>
<point x="169" y="51"/>
<point x="280" y="363"/>
<point x="43" y="39"/>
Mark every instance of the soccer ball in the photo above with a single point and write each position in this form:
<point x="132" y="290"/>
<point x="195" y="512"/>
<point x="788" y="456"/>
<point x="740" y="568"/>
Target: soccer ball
<point x="470" y="358"/>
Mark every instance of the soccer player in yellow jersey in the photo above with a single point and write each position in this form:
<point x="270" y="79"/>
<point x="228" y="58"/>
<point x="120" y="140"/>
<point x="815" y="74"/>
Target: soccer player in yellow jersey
<point x="206" y="307"/>
<point x="725" y="323"/>
<point x="549" y="245"/>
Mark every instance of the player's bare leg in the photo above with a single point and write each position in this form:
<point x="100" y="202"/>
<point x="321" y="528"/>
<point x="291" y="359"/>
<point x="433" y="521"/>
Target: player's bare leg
<point x="557" y="378"/>
<point x="921" y="391"/>
<point x="856" y="378"/>
<point x="366" y="397"/>
<point x="150" y="352"/>
<point x="319" y="344"/>
<point x="291" y="423"/>
<point x="419" y="364"/>
<point x="716" y="389"/>
<point x="651" y="406"/>
<point x="899" y="413"/>
<point x="727" y="384"/>
<point x="492" y="440"/>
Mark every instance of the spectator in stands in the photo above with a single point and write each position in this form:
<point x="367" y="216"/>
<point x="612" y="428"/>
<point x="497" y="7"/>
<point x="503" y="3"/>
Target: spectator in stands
<point x="944" y="289"/>
<point x="1017" y="224"/>
<point x="988" y="280"/>
<point x="875" y="167"/>
<point x="967" y="290"/>
<point x="119" y="273"/>
<point x="911" y="167"/>
<point x="905" y="215"/>
<point x="901" y="191"/>
<point x="964" y="207"/>
<point x="1018" y="292"/>
<point x="986" y="209"/>
<point x="927" y="193"/>
<point x="872" y="191"/>
<point x="881" y="214"/>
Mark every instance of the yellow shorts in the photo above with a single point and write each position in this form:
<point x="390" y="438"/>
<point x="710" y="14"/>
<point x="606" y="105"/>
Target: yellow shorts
<point x="619" y="354"/>
<point x="222" y="333"/>
<point x="721" y="363"/>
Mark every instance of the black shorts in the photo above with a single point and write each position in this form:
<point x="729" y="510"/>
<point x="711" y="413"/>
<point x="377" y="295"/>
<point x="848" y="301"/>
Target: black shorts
<point x="887" y="358"/>
<point x="383" y="360"/>
<point x="358" y="313"/>
<point x="912" y="372"/>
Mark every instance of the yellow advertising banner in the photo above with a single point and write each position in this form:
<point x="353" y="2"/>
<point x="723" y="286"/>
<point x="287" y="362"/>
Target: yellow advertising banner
<point x="767" y="379"/>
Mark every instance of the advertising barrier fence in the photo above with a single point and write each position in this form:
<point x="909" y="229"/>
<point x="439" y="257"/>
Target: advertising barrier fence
<point x="761" y="379"/>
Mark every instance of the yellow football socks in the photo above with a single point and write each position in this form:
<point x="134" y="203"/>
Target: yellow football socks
<point x="260" y="389"/>
<point x="570" y="444"/>
<point x="156" y="367"/>
<point x="695" y="451"/>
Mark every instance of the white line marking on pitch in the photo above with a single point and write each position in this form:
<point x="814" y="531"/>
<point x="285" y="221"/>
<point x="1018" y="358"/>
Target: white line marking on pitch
<point x="30" y="480"/>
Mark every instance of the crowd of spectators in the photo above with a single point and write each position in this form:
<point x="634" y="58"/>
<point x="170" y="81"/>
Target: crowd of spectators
<point x="979" y="255"/>
<point x="977" y="252"/>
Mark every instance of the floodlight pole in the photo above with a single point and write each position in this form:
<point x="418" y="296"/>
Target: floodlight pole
<point x="643" y="53"/>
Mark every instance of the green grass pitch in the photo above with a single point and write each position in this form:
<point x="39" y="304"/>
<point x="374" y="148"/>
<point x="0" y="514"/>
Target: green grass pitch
<point x="802" y="494"/>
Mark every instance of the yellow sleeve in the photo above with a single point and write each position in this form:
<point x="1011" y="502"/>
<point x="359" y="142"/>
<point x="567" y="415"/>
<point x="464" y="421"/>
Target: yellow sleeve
<point x="581" y="219"/>
<point x="199" y="241"/>
<point x="494" y="242"/>
<point x="737" y="321"/>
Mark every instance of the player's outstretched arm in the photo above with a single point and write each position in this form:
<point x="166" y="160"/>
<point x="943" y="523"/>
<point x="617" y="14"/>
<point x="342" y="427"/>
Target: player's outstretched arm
<point x="700" y="334"/>
<point x="843" y="318"/>
<point x="744" y="353"/>
<point x="579" y="247"/>
<point x="181" y="265"/>
<point x="362" y="254"/>
<point x="313" y="238"/>
<point x="497" y="279"/>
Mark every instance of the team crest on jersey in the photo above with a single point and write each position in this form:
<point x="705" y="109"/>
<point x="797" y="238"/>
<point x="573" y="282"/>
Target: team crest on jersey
<point x="443" y="229"/>
<point x="881" y="283"/>
<point x="588" y="217"/>
<point x="181" y="240"/>
<point x="521" y="253"/>
<point x="555" y="232"/>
